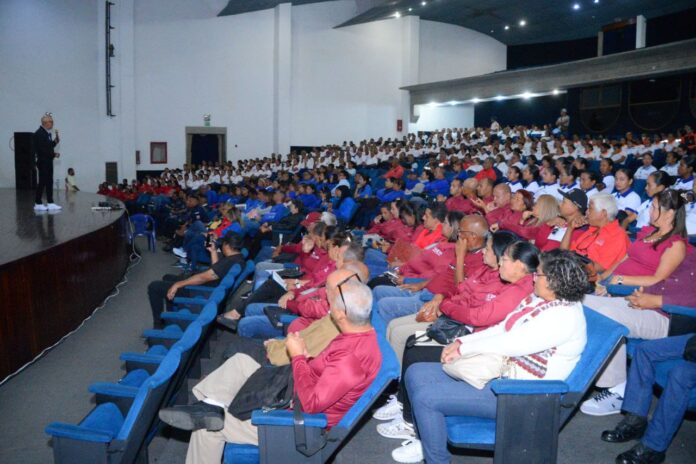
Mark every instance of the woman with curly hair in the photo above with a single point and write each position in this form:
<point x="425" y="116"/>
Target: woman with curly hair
<point x="543" y="338"/>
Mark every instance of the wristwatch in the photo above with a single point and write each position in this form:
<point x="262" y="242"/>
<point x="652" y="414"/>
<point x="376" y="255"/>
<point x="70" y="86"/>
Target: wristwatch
<point x="619" y="279"/>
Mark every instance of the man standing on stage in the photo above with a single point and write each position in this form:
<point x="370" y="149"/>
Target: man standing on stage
<point x="43" y="147"/>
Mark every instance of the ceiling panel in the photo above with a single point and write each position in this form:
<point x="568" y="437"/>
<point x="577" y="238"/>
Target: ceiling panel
<point x="546" y="20"/>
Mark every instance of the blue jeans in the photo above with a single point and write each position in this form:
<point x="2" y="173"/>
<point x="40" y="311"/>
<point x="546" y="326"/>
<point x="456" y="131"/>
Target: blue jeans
<point x="255" y="324"/>
<point x="435" y="395"/>
<point x="264" y="254"/>
<point x="392" y="302"/>
<point x="675" y="397"/>
<point x="263" y="271"/>
<point x="376" y="262"/>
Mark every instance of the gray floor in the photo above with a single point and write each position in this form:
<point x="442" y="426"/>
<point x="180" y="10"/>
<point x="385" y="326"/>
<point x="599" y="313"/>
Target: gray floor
<point x="55" y="389"/>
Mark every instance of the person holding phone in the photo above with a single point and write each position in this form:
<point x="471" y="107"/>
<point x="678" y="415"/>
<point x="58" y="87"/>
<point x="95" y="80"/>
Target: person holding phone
<point x="230" y="245"/>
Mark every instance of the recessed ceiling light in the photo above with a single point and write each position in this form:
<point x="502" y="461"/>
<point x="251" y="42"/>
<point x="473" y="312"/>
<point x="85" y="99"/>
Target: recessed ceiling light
<point x="424" y="3"/>
<point x="432" y="103"/>
<point x="397" y="15"/>
<point x="491" y="31"/>
<point x="576" y="6"/>
<point x="410" y="9"/>
<point x="507" y="27"/>
<point x="523" y="22"/>
<point x="596" y="1"/>
<point x="556" y="91"/>
<point x="453" y="103"/>
<point x="475" y="100"/>
<point x="499" y="98"/>
<point x="527" y="95"/>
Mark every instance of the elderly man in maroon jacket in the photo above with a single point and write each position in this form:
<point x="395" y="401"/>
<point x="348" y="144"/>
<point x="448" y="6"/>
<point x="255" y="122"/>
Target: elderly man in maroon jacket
<point x="330" y="383"/>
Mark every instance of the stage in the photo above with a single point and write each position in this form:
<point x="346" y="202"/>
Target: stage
<point x="55" y="268"/>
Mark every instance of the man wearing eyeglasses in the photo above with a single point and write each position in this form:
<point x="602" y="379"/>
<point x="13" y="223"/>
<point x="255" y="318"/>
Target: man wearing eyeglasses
<point x="44" y="145"/>
<point x="329" y="383"/>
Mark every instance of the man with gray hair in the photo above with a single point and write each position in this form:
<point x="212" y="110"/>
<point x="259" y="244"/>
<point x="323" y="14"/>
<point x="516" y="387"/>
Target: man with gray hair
<point x="44" y="144"/>
<point x="605" y="242"/>
<point x="330" y="383"/>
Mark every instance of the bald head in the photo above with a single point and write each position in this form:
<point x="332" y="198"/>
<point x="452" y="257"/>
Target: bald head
<point x="475" y="229"/>
<point x="502" y="195"/>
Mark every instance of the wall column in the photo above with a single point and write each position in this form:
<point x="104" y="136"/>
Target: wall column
<point x="282" y="70"/>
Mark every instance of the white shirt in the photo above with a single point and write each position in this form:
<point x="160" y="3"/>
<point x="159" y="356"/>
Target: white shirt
<point x="643" y="216"/>
<point x="562" y="327"/>
<point x="682" y="184"/>
<point x="590" y="193"/>
<point x="642" y="173"/>
<point x="608" y="182"/>
<point x="532" y="187"/>
<point x="515" y="186"/>
<point x="691" y="218"/>
<point x="551" y="189"/>
<point x="671" y="170"/>
<point x="627" y="201"/>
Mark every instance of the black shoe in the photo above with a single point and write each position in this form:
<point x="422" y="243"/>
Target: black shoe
<point x="640" y="454"/>
<point x="227" y="322"/>
<point x="195" y="416"/>
<point x="247" y="295"/>
<point x="632" y="427"/>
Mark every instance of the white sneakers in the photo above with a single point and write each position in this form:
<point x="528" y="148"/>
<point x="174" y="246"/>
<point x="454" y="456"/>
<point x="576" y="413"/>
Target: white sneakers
<point x="410" y="451"/>
<point x="48" y="207"/>
<point x="397" y="428"/>
<point x="605" y="403"/>
<point x="179" y="252"/>
<point x="389" y="411"/>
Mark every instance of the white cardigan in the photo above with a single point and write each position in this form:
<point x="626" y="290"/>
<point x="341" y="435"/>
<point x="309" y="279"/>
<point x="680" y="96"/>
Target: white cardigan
<point x="562" y="326"/>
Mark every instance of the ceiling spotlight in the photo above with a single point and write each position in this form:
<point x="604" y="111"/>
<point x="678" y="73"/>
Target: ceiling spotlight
<point x="576" y="6"/>
<point x="556" y="91"/>
<point x="397" y="15"/>
<point x="527" y="95"/>
<point x="453" y="103"/>
<point x="507" y="27"/>
<point x="475" y="100"/>
<point x="596" y="1"/>
<point x="424" y="3"/>
<point x="491" y="31"/>
<point x="523" y="22"/>
<point x="432" y="104"/>
<point x="499" y="98"/>
<point x="410" y="9"/>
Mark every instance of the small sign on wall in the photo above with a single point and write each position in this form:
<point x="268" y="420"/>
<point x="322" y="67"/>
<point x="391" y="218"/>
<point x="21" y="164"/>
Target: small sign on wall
<point x="399" y="125"/>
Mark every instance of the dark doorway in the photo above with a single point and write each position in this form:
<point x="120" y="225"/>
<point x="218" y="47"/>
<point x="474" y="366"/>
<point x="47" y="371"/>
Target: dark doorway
<point x="25" y="171"/>
<point x="205" y="147"/>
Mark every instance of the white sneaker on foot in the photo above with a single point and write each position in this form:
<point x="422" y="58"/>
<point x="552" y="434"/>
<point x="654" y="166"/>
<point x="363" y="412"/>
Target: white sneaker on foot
<point x="389" y="411"/>
<point x="179" y="252"/>
<point x="40" y="207"/>
<point x="53" y="207"/>
<point x="397" y="428"/>
<point x="411" y="451"/>
<point x="605" y="403"/>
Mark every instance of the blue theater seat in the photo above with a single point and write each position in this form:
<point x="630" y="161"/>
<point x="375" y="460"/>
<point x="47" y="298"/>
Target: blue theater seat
<point x="530" y="413"/>
<point x="114" y="431"/>
<point x="278" y="441"/>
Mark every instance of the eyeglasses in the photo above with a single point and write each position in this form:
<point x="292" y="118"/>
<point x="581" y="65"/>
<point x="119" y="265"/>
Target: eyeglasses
<point x="538" y="274"/>
<point x="340" y="291"/>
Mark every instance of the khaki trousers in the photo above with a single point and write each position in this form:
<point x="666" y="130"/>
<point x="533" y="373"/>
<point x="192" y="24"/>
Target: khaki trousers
<point x="222" y="385"/>
<point x="641" y="323"/>
<point x="400" y="329"/>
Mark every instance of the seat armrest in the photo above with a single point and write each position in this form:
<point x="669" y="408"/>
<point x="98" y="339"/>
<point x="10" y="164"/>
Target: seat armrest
<point x="286" y="418"/>
<point x="683" y="310"/>
<point x="528" y="387"/>
<point x="113" y="389"/>
<point x="183" y="300"/>
<point x="76" y="432"/>
<point x="142" y="358"/>
<point x="199" y="288"/>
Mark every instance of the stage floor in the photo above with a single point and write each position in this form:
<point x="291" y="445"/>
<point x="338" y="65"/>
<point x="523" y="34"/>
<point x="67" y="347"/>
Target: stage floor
<point x="25" y="232"/>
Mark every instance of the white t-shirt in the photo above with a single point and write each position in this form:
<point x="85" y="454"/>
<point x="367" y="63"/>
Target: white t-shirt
<point x="643" y="218"/>
<point x="627" y="201"/>
<point x="608" y="182"/>
<point x="682" y="184"/>
<point x="691" y="218"/>
<point x="671" y="170"/>
<point x="642" y="173"/>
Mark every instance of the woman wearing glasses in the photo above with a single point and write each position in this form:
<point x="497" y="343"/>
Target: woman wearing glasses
<point x="548" y="325"/>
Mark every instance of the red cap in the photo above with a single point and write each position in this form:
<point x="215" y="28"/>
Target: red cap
<point x="312" y="218"/>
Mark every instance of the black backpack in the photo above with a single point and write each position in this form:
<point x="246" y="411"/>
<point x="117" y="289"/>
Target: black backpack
<point x="270" y="387"/>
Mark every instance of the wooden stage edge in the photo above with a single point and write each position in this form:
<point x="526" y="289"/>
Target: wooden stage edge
<point x="55" y="269"/>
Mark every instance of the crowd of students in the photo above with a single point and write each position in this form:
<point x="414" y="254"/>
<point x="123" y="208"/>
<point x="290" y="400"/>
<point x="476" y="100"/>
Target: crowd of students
<point x="501" y="234"/>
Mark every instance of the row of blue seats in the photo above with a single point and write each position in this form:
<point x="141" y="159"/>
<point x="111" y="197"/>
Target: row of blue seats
<point x="124" y="420"/>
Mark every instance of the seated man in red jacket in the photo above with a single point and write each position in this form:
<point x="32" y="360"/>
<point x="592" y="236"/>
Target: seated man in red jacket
<point x="330" y="384"/>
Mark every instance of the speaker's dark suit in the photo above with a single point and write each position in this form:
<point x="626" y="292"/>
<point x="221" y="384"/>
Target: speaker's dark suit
<point x="43" y="148"/>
